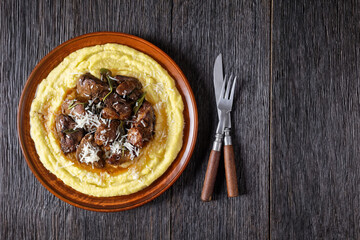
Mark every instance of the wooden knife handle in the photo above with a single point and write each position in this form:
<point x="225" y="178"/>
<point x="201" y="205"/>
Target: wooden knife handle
<point x="210" y="175"/>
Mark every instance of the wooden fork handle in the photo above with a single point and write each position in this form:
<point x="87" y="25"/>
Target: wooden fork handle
<point x="211" y="170"/>
<point x="230" y="167"/>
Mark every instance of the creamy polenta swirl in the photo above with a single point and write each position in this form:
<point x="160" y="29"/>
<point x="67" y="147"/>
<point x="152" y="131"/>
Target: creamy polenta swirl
<point x="154" y="158"/>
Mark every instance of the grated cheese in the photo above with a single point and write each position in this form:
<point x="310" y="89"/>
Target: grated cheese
<point x="89" y="154"/>
<point x="91" y="101"/>
<point x="134" y="151"/>
<point x="63" y="166"/>
<point x="98" y="106"/>
<point x="116" y="147"/>
<point x="134" y="174"/>
<point x="76" y="73"/>
<point x="89" y="120"/>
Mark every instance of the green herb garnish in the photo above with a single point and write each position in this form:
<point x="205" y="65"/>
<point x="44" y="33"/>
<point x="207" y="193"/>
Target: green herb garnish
<point x="107" y="73"/>
<point x="69" y="131"/>
<point x="139" y="102"/>
<point x="122" y="130"/>
<point x="74" y="104"/>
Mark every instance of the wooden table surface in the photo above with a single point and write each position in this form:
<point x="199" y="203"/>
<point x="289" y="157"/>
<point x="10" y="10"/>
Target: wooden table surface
<point x="296" y="124"/>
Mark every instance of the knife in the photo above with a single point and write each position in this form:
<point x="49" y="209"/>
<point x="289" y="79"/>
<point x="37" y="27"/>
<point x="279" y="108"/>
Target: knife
<point x="218" y="79"/>
<point x="214" y="157"/>
<point x="229" y="162"/>
<point x="229" y="158"/>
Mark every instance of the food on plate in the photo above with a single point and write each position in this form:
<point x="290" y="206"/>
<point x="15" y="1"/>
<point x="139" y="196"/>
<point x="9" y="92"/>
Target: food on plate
<point x="107" y="121"/>
<point x="95" y="119"/>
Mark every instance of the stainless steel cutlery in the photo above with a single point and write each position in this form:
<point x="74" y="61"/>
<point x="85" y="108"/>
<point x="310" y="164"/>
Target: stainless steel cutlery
<point x="224" y="93"/>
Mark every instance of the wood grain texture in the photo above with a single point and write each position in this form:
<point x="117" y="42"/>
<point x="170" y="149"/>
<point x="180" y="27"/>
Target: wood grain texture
<point x="210" y="176"/>
<point x="191" y="33"/>
<point x="33" y="28"/>
<point x="240" y="30"/>
<point x="311" y="157"/>
<point x="315" y="170"/>
<point x="230" y="171"/>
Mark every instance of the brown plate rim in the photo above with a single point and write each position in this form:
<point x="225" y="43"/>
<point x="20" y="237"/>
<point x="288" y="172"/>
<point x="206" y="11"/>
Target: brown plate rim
<point x="187" y="149"/>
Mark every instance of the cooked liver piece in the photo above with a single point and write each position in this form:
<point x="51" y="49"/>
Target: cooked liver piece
<point x="68" y="141"/>
<point x="109" y="113"/>
<point x="106" y="133"/>
<point x="124" y="110"/>
<point x="135" y="137"/>
<point x="143" y="126"/>
<point x="116" y="108"/>
<point x="129" y="86"/>
<point x="79" y="108"/>
<point x="90" y="86"/>
<point x="89" y="139"/>
<point x="114" y="98"/>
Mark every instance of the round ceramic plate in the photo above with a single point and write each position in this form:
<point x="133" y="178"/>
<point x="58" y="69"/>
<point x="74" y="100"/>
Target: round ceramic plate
<point x="68" y="194"/>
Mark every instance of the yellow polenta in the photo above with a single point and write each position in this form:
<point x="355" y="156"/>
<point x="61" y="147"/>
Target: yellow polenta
<point x="161" y="92"/>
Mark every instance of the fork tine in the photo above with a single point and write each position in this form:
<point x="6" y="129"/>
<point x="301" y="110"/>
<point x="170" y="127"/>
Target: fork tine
<point x="227" y="94"/>
<point x="222" y="89"/>
<point x="233" y="91"/>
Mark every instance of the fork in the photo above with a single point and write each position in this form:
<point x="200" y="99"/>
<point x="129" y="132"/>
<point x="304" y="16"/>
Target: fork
<point x="224" y="106"/>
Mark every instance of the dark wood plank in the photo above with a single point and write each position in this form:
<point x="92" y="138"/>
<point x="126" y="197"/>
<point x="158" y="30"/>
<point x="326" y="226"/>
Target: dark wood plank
<point x="32" y="29"/>
<point x="240" y="30"/>
<point x="315" y="171"/>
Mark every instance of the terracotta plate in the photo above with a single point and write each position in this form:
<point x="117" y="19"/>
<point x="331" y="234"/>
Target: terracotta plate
<point x="68" y="194"/>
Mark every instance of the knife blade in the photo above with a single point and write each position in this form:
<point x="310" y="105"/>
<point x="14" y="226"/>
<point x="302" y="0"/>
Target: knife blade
<point x="218" y="81"/>
<point x="218" y="78"/>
